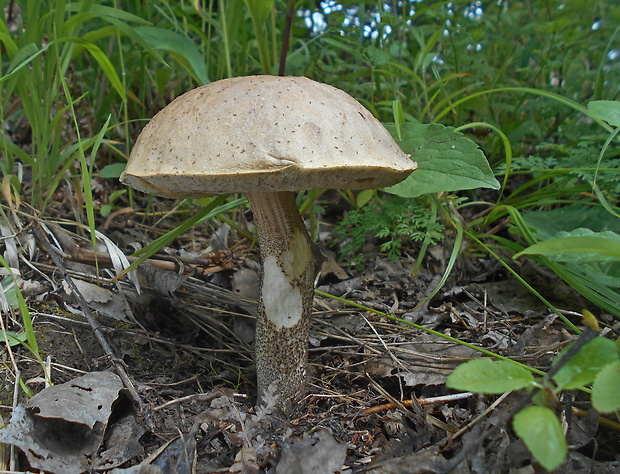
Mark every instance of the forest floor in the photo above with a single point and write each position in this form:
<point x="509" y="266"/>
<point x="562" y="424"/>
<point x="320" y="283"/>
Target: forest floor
<point x="376" y="401"/>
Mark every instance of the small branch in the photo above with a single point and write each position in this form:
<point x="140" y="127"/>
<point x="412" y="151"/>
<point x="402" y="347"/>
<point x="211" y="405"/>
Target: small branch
<point x="420" y="401"/>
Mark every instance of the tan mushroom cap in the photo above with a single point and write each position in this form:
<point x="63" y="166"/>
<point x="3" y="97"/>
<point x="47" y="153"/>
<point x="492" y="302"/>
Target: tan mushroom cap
<point x="263" y="133"/>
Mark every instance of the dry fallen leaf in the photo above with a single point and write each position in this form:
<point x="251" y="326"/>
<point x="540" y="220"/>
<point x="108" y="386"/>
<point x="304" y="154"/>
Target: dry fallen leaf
<point x="62" y="428"/>
<point x="317" y="454"/>
<point x="102" y="300"/>
<point x="426" y="360"/>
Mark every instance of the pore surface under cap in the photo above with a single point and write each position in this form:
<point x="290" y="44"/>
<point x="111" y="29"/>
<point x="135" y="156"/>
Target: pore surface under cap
<point x="263" y="133"/>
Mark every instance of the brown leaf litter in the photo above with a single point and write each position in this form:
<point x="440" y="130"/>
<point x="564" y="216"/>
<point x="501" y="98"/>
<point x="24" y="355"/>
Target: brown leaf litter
<point x="178" y="338"/>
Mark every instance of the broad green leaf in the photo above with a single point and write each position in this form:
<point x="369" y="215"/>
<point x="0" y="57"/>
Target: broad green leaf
<point x="378" y="56"/>
<point x="363" y="197"/>
<point x="595" y="276"/>
<point x="608" y="110"/>
<point x="542" y="433"/>
<point x="447" y="161"/>
<point x="548" y="223"/>
<point x="606" y="389"/>
<point x="489" y="376"/>
<point x="600" y="244"/>
<point x="12" y="337"/>
<point x="584" y="366"/>
<point x="105" y="210"/>
<point x="113" y="170"/>
<point x="178" y="45"/>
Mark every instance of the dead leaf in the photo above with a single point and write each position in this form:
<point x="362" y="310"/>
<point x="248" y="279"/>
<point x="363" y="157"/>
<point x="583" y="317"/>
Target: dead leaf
<point x="62" y="428"/>
<point x="426" y="461"/>
<point x="162" y="281"/>
<point x="330" y="267"/>
<point x="245" y="461"/>
<point x="427" y="360"/>
<point x="102" y="300"/>
<point x="317" y="454"/>
<point x="86" y="400"/>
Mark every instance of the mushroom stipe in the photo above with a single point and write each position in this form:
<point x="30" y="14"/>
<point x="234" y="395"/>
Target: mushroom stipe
<point x="269" y="136"/>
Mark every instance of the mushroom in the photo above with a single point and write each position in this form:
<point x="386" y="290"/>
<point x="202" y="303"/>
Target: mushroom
<point x="268" y="136"/>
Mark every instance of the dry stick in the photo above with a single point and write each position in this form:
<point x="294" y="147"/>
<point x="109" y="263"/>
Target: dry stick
<point x="96" y="327"/>
<point x="421" y="401"/>
<point x="90" y="257"/>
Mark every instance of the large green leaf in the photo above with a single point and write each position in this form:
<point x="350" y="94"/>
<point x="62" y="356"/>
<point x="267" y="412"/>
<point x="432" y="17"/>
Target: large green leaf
<point x="594" y="246"/>
<point x="447" y="161"/>
<point x="608" y="110"/>
<point x="181" y="47"/>
<point x="542" y="433"/>
<point x="547" y="223"/>
<point x="489" y="376"/>
<point x="588" y="270"/>
<point x="584" y="366"/>
<point x="606" y="389"/>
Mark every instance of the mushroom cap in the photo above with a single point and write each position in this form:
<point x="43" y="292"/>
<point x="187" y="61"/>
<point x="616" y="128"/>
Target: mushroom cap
<point x="263" y="133"/>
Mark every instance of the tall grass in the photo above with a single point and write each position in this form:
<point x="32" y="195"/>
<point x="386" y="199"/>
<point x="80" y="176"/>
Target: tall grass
<point x="78" y="80"/>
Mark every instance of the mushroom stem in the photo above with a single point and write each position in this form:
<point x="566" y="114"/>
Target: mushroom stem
<point x="287" y="289"/>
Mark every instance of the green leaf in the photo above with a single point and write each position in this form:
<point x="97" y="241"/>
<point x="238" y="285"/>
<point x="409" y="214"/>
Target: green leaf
<point x="606" y="389"/>
<point x="608" y="110"/>
<point x="447" y="161"/>
<point x="12" y="337"/>
<point x="104" y="63"/>
<point x="113" y="170"/>
<point x="489" y="376"/>
<point x="595" y="276"/>
<point x="548" y="223"/>
<point x="542" y="433"/>
<point x="477" y="31"/>
<point x="181" y="47"/>
<point x="584" y="366"/>
<point x="363" y="197"/>
<point x="601" y="244"/>
<point x="105" y="210"/>
<point x="9" y="292"/>
<point x="23" y="58"/>
<point x="103" y="11"/>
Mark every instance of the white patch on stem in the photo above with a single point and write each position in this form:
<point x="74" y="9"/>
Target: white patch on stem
<point x="281" y="298"/>
<point x="282" y="301"/>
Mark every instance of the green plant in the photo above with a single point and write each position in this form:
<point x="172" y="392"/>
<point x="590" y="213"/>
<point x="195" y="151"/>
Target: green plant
<point x="393" y="220"/>
<point x="13" y="300"/>
<point x="590" y="361"/>
<point x="447" y="162"/>
<point x="568" y="202"/>
<point x="35" y="87"/>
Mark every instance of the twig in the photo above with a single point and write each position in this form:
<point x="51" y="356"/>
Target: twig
<point x="421" y="401"/>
